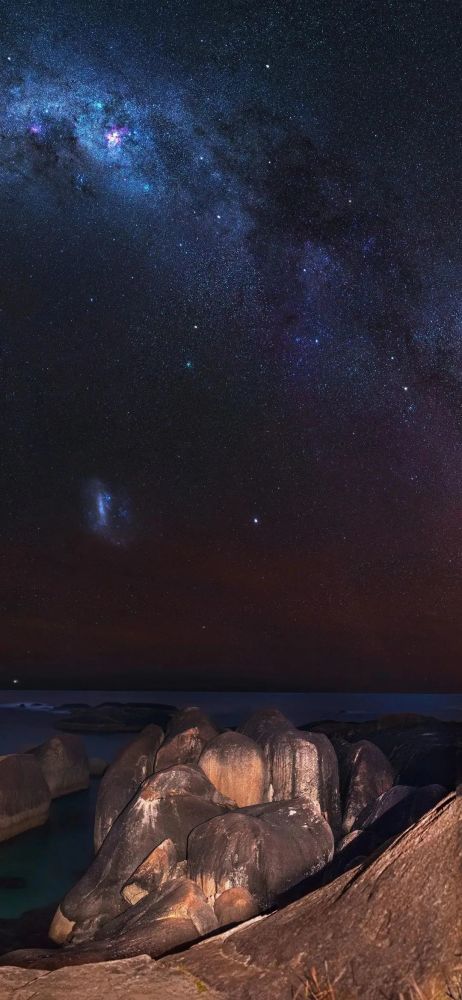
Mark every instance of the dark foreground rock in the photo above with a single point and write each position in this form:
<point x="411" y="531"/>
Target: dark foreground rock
<point x="24" y="795"/>
<point x="365" y="773"/>
<point x="156" y="925"/>
<point x="389" y="930"/>
<point x="371" y="934"/>
<point x="123" y="778"/>
<point x="133" y="979"/>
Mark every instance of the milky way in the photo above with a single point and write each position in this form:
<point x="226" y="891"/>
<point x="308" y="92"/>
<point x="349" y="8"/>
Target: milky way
<point x="231" y="287"/>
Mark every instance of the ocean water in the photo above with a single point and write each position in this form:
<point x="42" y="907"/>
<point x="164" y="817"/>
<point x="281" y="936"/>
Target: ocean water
<point x="43" y="864"/>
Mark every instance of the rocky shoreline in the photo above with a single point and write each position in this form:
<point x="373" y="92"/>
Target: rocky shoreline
<point x="329" y="855"/>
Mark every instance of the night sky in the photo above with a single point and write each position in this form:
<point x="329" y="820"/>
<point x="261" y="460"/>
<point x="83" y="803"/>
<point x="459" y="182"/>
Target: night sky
<point x="231" y="344"/>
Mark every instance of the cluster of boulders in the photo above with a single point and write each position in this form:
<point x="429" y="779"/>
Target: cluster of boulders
<point x="29" y="781"/>
<point x="197" y="830"/>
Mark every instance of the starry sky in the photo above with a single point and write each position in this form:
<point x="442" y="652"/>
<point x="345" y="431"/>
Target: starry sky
<point x="231" y="313"/>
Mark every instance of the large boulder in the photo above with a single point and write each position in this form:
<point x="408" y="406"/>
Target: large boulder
<point x="263" y="854"/>
<point x="234" y="906"/>
<point x="159" y="866"/>
<point x="187" y="734"/>
<point x="24" y="795"/>
<point x="153" y="816"/>
<point x="299" y="763"/>
<point x="389" y="929"/>
<point x="188" y="778"/>
<point x="392" y="813"/>
<point x="236" y="765"/>
<point x="176" y="915"/>
<point x="365" y="773"/>
<point x="398" y="808"/>
<point x="64" y="763"/>
<point x="123" y="778"/>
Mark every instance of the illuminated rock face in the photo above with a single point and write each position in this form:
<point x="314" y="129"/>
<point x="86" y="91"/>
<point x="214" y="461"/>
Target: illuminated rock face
<point x="300" y="764"/>
<point x="236" y="765"/>
<point x="64" y="764"/>
<point x="24" y="795"/>
<point x="263" y="849"/>
<point x="123" y="778"/>
<point x="163" y="809"/>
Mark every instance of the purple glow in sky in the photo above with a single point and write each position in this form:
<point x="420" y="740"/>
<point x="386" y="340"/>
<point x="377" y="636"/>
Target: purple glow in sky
<point x="114" y="137"/>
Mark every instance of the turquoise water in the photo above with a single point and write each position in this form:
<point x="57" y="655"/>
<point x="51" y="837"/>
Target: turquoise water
<point x="51" y="858"/>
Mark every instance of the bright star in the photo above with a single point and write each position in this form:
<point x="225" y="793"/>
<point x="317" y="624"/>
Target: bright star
<point x="256" y="520"/>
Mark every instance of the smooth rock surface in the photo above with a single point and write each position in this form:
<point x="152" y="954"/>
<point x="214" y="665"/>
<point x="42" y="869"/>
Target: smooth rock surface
<point x="240" y="850"/>
<point x="132" y="979"/>
<point x="24" y="795"/>
<point x="123" y="778"/>
<point x="177" y="914"/>
<point x="365" y="773"/>
<point x="300" y="764"/>
<point x="157" y="868"/>
<point x="236" y="765"/>
<point x="390" y="929"/>
<point x="372" y="934"/>
<point x="64" y="763"/>
<point x="151" y="817"/>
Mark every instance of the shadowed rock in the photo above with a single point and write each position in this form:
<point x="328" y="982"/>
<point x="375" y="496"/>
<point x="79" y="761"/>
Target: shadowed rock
<point x="155" y="925"/>
<point x="97" y="766"/>
<point x="187" y="734"/>
<point x="299" y="763"/>
<point x="236" y="765"/>
<point x="378" y="931"/>
<point x="158" y="867"/>
<point x="123" y="778"/>
<point x="24" y="795"/>
<point x="390" y="815"/>
<point x="64" y="764"/>
<point x="365" y="773"/>
<point x="151" y="817"/>
<point x="398" y="808"/>
<point x="240" y="850"/>
<point x="114" y="717"/>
